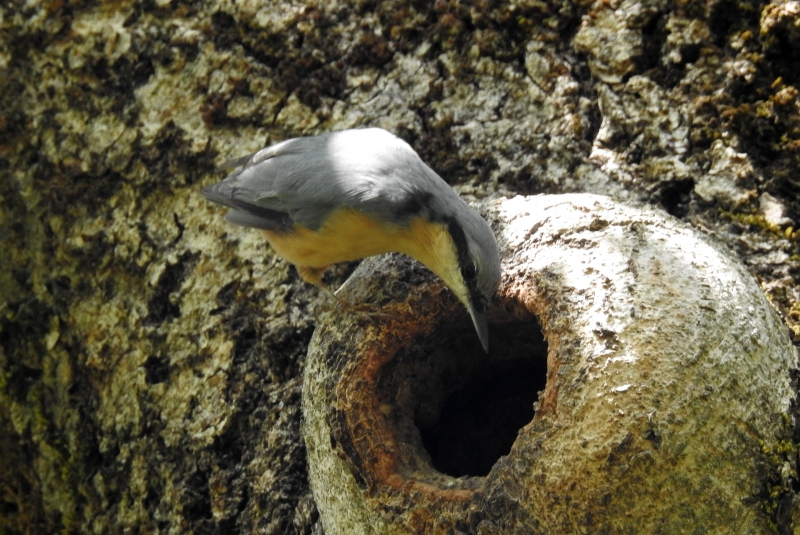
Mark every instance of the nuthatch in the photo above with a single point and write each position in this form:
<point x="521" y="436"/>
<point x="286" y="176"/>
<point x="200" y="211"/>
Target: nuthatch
<point x="356" y="193"/>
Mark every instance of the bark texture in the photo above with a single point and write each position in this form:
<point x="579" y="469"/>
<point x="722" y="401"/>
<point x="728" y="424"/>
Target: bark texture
<point x="667" y="388"/>
<point x="150" y="355"/>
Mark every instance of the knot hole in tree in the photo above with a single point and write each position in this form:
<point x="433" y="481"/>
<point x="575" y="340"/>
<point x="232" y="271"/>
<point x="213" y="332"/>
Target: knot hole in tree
<point x="453" y="407"/>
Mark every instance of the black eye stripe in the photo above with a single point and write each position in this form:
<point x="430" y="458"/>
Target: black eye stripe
<point x="419" y="206"/>
<point x="465" y="263"/>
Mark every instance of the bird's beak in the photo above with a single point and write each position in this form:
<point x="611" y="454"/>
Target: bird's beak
<point x="481" y="325"/>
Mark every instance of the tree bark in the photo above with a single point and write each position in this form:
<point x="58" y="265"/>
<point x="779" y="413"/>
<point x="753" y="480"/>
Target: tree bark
<point x="150" y="354"/>
<point x="660" y="376"/>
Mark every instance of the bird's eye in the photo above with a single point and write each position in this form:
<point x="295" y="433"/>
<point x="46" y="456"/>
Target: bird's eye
<point x="469" y="270"/>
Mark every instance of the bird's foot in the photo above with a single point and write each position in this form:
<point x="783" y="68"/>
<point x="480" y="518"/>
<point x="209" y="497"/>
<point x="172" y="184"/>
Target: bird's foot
<point x="369" y="311"/>
<point x="314" y="276"/>
<point x="365" y="310"/>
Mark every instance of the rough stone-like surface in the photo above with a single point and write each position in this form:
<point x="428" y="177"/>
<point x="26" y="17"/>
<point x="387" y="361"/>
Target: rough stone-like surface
<point x="150" y="354"/>
<point x="667" y="397"/>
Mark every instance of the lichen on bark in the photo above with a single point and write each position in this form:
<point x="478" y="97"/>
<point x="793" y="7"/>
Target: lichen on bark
<point x="150" y="354"/>
<point x="661" y="375"/>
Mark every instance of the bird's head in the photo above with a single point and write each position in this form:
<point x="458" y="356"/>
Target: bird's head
<point x="478" y="262"/>
<point x="461" y="249"/>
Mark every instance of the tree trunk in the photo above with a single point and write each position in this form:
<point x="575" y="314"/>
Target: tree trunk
<point x="151" y="354"/>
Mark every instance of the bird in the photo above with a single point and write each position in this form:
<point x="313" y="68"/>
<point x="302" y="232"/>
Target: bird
<point x="350" y="194"/>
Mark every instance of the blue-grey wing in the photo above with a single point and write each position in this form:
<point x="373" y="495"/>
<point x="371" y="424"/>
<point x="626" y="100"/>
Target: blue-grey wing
<point x="301" y="181"/>
<point x="251" y="192"/>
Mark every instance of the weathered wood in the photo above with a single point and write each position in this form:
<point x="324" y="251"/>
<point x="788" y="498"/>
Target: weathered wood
<point x="666" y="402"/>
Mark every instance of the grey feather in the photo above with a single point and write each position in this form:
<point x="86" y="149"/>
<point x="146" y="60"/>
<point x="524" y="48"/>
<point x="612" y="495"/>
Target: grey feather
<point x="301" y="181"/>
<point x="306" y="178"/>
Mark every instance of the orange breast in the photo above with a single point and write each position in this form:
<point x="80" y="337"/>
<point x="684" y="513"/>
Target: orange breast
<point x="350" y="235"/>
<point x="346" y="235"/>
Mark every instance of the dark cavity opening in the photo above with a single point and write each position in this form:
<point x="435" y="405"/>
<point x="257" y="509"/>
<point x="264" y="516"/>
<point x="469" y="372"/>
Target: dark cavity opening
<point x="479" y="423"/>
<point x="457" y="409"/>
